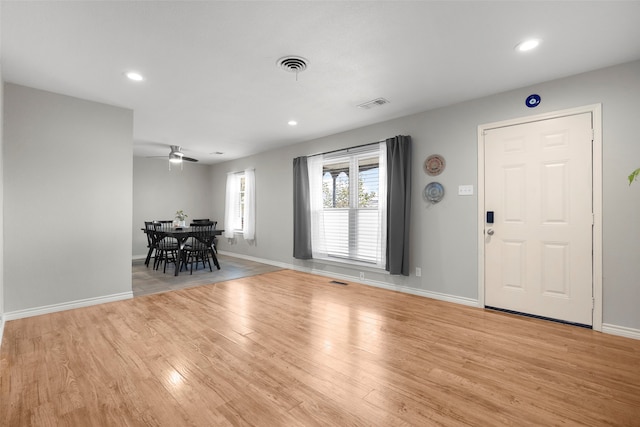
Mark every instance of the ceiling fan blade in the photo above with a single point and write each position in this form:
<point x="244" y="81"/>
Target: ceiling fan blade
<point x="189" y="159"/>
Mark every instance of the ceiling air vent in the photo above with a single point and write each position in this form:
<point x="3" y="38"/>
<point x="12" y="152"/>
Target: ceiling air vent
<point x="371" y="104"/>
<point x="293" y="64"/>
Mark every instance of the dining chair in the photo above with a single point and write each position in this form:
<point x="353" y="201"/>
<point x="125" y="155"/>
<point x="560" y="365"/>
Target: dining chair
<point x="201" y="247"/>
<point x="197" y="222"/>
<point x="202" y="222"/>
<point x="166" y="247"/>
<point x="149" y="229"/>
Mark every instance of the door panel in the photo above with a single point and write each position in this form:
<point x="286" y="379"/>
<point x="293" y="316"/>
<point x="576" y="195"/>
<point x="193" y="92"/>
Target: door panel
<point x="538" y="182"/>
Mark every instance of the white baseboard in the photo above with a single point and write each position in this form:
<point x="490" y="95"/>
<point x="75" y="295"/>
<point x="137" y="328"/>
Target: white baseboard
<point x="260" y="260"/>
<point x="378" y="284"/>
<point x="37" y="311"/>
<point x="399" y="288"/>
<point x="622" y="331"/>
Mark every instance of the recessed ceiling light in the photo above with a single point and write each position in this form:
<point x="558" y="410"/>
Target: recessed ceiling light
<point x="136" y="77"/>
<point x="528" y="45"/>
<point x="292" y="123"/>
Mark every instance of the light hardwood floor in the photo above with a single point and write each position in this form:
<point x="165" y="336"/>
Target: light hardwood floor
<point x="291" y="349"/>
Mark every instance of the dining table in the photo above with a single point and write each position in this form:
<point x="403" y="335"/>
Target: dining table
<point x="182" y="234"/>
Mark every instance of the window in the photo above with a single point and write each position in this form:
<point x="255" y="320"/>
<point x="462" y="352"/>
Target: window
<point x="240" y="204"/>
<point x="348" y="198"/>
<point x="237" y="215"/>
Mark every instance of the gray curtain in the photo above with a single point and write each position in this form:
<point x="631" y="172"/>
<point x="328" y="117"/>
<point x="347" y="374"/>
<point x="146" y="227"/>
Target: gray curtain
<point x="398" y="204"/>
<point x="301" y="210"/>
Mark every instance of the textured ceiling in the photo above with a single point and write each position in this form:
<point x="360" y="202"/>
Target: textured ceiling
<point x="212" y="83"/>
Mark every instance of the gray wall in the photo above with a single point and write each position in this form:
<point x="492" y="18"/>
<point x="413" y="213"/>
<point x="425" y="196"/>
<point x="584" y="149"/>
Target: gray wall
<point x="445" y="236"/>
<point x="67" y="199"/>
<point x="159" y="192"/>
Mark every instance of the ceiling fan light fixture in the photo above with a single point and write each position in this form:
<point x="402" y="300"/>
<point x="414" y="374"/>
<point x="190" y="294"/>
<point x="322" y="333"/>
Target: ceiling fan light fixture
<point x="175" y="158"/>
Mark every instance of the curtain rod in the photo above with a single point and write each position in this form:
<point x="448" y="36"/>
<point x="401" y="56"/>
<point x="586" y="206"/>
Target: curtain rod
<point x="347" y="149"/>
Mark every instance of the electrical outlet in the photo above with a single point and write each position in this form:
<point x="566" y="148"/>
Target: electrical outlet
<point x="418" y="272"/>
<point x="465" y="190"/>
<point x="362" y="275"/>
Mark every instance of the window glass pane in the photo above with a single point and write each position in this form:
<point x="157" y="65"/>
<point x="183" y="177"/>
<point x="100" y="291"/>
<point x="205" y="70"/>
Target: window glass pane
<point x="241" y="210"/>
<point x="238" y="210"/>
<point x="368" y="172"/>
<point x="335" y="185"/>
<point x="327" y="190"/>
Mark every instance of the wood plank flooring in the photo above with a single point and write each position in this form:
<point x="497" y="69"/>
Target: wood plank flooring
<point x="291" y="349"/>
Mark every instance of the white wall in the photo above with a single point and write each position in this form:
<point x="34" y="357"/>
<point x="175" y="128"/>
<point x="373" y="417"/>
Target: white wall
<point x="445" y="236"/>
<point x="159" y="192"/>
<point x="67" y="199"/>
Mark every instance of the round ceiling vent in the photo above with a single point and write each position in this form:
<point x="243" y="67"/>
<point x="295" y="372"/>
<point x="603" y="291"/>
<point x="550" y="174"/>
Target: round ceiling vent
<point x="292" y="64"/>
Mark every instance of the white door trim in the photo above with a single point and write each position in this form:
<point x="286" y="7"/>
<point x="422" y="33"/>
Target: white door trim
<point x="596" y="114"/>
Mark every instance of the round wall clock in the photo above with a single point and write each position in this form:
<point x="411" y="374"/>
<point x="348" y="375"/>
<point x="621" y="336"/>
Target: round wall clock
<point x="434" y="165"/>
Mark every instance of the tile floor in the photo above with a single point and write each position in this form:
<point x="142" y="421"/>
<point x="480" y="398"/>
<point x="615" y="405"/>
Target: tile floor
<point x="149" y="281"/>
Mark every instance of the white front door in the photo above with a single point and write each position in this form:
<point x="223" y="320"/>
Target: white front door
<point x="538" y="250"/>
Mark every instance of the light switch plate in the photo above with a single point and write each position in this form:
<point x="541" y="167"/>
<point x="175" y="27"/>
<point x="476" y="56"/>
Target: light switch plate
<point x="465" y="190"/>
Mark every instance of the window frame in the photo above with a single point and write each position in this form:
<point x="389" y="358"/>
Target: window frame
<point x="238" y="208"/>
<point x="355" y="238"/>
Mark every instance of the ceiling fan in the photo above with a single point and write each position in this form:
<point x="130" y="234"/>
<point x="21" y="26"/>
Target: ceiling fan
<point x="177" y="156"/>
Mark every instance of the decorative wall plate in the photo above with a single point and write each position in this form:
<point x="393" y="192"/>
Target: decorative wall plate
<point x="434" y="165"/>
<point x="434" y="192"/>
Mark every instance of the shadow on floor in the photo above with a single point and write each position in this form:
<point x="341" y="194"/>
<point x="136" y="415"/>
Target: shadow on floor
<point x="149" y="281"/>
